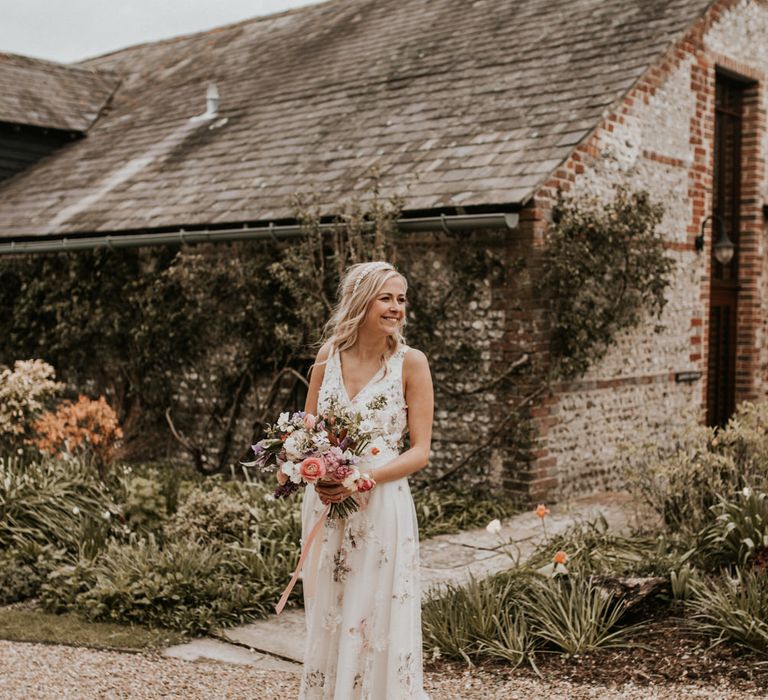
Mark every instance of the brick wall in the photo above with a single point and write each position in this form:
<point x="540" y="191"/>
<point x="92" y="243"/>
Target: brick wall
<point x="660" y="137"/>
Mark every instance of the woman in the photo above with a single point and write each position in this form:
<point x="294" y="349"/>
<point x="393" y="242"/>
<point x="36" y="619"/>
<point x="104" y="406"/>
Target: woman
<point x="361" y="587"/>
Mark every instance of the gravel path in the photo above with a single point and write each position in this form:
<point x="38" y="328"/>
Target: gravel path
<point x="43" y="672"/>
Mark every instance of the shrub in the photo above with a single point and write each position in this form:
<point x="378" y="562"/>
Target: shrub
<point x="24" y="569"/>
<point x="53" y="501"/>
<point x="733" y="608"/>
<point x="683" y="478"/>
<point x="187" y="585"/>
<point x="592" y="549"/>
<point x="445" y="509"/>
<point x="574" y="615"/>
<point x="465" y="622"/>
<point x="144" y="506"/>
<point x="739" y="531"/>
<point x="210" y="516"/>
<point x="76" y="427"/>
<point x="24" y="390"/>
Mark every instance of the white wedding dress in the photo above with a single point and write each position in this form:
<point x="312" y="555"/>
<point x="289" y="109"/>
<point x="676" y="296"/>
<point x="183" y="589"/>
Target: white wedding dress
<point x="364" y="618"/>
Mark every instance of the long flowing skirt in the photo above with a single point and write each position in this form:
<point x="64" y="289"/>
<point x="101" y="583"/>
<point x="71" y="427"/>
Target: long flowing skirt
<point x="364" y="616"/>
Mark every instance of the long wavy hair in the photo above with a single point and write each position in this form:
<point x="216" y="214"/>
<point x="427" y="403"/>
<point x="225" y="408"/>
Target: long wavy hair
<point x="354" y="297"/>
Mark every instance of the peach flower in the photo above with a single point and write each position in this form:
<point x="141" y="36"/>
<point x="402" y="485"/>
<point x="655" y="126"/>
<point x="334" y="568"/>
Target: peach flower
<point x="309" y="421"/>
<point x="560" y="557"/>
<point x="541" y="510"/>
<point x="312" y="469"/>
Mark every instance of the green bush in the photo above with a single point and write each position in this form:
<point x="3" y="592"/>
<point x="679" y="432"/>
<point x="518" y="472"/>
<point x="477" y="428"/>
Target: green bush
<point x="187" y="585"/>
<point x="145" y="507"/>
<point x="515" y="614"/>
<point x="56" y="501"/>
<point x="739" y="531"/>
<point x="445" y="509"/>
<point x="592" y="549"/>
<point x="225" y="557"/>
<point x="733" y="608"/>
<point x="464" y="622"/>
<point x="683" y="479"/>
<point x="574" y="615"/>
<point x="24" y="569"/>
<point x="211" y="516"/>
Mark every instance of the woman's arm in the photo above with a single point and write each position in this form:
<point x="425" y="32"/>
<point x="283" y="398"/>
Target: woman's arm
<point x="419" y="396"/>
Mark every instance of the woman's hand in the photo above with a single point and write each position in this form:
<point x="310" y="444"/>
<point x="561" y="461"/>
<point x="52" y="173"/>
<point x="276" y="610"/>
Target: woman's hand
<point x="330" y="492"/>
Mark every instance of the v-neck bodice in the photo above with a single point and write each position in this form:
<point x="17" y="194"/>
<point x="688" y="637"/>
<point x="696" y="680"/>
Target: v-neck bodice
<point x="381" y="400"/>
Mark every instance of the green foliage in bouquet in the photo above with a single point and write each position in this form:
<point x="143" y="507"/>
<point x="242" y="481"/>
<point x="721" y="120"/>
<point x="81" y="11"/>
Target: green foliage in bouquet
<point x="605" y="269"/>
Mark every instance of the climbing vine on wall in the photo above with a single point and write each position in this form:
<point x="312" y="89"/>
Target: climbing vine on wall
<point x="605" y="270"/>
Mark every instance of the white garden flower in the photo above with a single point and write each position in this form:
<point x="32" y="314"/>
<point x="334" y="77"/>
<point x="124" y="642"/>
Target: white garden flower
<point x="321" y="441"/>
<point x="106" y="515"/>
<point x="284" y="421"/>
<point x="76" y="510"/>
<point x="747" y="492"/>
<point x="292" y="471"/>
<point x="494" y="527"/>
<point x="293" y="447"/>
<point x="349" y="482"/>
<point x="269" y="497"/>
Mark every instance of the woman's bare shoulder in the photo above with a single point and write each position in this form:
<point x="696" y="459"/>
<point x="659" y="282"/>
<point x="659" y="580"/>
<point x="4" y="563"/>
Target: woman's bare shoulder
<point x="415" y="357"/>
<point x="324" y="352"/>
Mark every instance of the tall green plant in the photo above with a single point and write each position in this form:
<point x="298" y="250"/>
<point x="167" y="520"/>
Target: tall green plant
<point x="604" y="269"/>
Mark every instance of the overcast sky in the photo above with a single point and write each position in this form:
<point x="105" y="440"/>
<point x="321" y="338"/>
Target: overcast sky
<point x="70" y="30"/>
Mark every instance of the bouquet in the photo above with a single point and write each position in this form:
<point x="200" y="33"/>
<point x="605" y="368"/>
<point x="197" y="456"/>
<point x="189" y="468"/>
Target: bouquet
<point x="306" y="449"/>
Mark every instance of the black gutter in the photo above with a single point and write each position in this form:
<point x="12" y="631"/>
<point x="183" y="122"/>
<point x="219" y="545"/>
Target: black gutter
<point x="449" y="224"/>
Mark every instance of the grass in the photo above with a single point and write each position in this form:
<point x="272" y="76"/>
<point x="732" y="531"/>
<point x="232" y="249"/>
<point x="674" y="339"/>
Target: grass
<point x="25" y="622"/>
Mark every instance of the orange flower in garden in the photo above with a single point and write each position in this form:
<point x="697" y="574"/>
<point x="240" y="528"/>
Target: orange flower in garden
<point x="560" y="557"/>
<point x="541" y="510"/>
<point x="86" y="423"/>
<point x="375" y="451"/>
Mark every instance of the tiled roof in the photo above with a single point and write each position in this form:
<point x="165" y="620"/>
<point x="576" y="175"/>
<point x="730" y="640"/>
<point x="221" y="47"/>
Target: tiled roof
<point x="53" y="95"/>
<point x="467" y="103"/>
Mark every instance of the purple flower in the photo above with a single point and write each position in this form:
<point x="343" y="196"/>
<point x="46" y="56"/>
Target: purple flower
<point x="286" y="489"/>
<point x="257" y="448"/>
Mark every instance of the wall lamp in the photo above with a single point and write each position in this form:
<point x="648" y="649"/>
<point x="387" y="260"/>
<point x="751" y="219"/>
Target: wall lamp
<point x="723" y="247"/>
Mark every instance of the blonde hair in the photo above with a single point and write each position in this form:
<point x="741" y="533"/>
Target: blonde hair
<point x="358" y="287"/>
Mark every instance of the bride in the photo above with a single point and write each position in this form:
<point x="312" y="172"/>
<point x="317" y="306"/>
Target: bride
<point x="361" y="587"/>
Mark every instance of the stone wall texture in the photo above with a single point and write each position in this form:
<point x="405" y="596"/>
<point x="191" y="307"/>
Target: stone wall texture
<point x="660" y="138"/>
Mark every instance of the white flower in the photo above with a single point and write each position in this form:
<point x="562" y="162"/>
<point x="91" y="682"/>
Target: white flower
<point x="366" y="426"/>
<point x="320" y="441"/>
<point x="747" y="492"/>
<point x="269" y="497"/>
<point x="349" y="482"/>
<point x="76" y="510"/>
<point x="106" y="515"/>
<point x="293" y="448"/>
<point x="283" y="421"/>
<point x="292" y="471"/>
<point x="494" y="526"/>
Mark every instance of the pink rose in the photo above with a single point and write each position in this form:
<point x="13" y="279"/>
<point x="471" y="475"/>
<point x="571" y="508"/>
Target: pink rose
<point x="365" y="483"/>
<point x="309" y="421"/>
<point x="312" y="469"/>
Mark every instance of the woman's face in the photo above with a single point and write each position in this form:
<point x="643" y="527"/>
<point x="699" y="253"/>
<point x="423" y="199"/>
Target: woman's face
<point x="386" y="311"/>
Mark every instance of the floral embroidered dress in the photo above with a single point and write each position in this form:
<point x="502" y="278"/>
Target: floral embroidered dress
<point x="364" y="618"/>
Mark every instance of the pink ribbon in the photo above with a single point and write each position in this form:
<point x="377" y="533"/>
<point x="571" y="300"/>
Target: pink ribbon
<point x="310" y="583"/>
